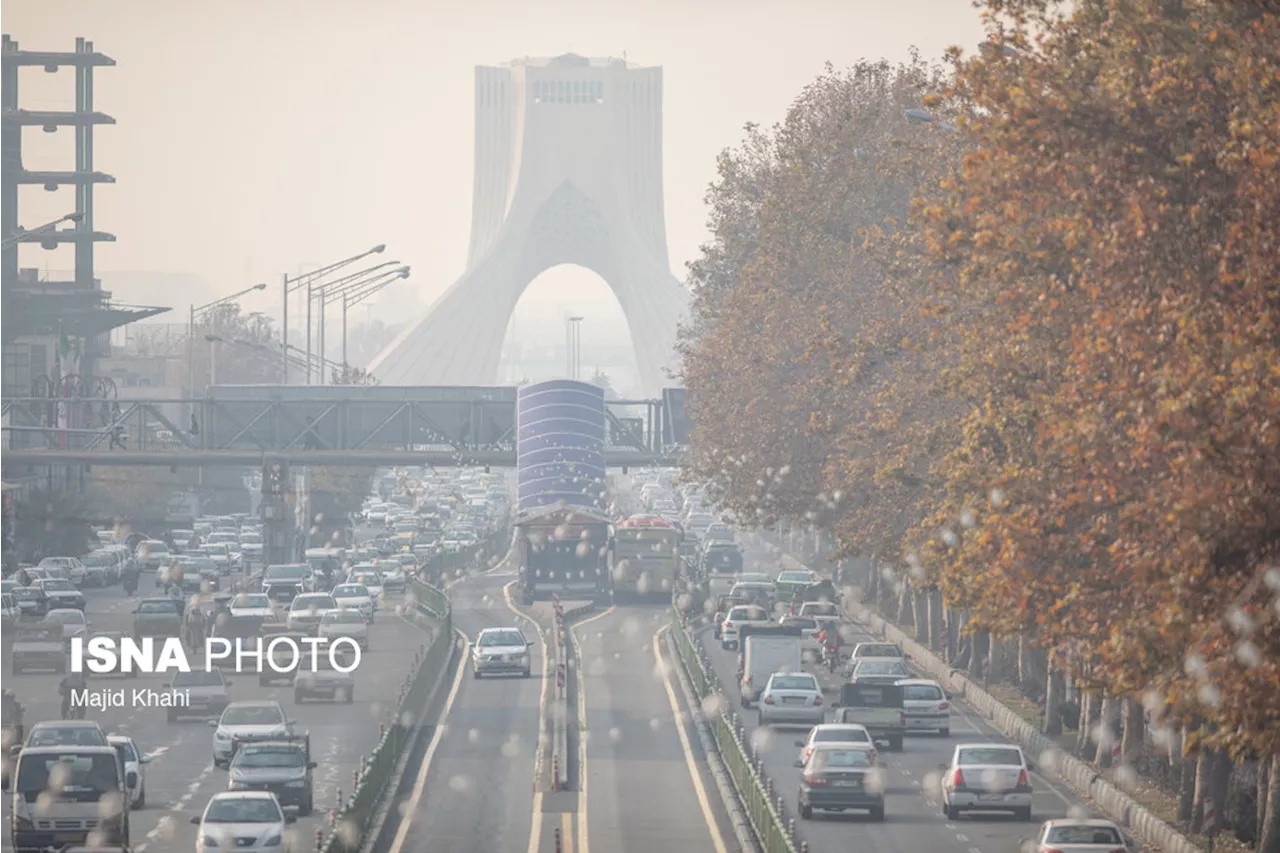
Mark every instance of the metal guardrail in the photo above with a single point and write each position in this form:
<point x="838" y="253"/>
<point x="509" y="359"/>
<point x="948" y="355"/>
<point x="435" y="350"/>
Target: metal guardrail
<point x="764" y="807"/>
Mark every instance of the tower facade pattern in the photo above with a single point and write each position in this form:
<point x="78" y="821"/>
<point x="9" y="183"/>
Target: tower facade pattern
<point x="568" y="171"/>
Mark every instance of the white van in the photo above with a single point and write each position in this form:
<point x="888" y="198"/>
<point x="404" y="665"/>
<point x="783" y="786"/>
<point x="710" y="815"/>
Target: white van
<point x="765" y="654"/>
<point x="89" y="803"/>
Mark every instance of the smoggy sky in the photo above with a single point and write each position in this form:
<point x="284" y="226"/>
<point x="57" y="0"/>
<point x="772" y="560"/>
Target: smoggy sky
<point x="255" y="137"/>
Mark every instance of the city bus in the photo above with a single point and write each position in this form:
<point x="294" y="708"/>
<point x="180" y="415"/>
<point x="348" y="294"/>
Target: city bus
<point x="644" y="559"/>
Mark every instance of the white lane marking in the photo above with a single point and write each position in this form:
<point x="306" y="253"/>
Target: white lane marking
<point x="402" y="832"/>
<point x="583" y="825"/>
<point x="703" y="802"/>
<point x="960" y="836"/>
<point x="535" y="819"/>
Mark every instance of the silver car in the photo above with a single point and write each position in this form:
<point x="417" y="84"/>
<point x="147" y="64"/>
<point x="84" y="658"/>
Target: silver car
<point x="987" y="777"/>
<point x="792" y="699"/>
<point x="501" y="650"/>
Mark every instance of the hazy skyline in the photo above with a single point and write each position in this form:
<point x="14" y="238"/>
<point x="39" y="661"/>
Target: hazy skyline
<point x="256" y="137"/>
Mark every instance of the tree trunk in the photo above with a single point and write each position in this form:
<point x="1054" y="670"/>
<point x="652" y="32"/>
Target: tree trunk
<point x="1260" y="797"/>
<point x="937" y="640"/>
<point x="1133" y="740"/>
<point x="1269" y="823"/>
<point x="1084" y="733"/>
<point x="920" y="613"/>
<point x="978" y="643"/>
<point x="1053" y="697"/>
<point x="1186" y="779"/>
<point x="952" y="626"/>
<point x="1220" y="784"/>
<point x="904" y="605"/>
<point x="995" y="660"/>
<point x="1105" y="736"/>
<point x="1204" y="767"/>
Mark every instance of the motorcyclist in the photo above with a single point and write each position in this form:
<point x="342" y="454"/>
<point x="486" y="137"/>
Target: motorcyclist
<point x="129" y="579"/>
<point x="796" y="601"/>
<point x="73" y="682"/>
<point x="829" y="638"/>
<point x="197" y="627"/>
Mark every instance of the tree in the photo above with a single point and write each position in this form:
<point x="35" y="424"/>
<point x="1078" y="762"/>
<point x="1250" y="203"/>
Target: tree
<point x="602" y="380"/>
<point x="351" y="375"/>
<point x="52" y="524"/>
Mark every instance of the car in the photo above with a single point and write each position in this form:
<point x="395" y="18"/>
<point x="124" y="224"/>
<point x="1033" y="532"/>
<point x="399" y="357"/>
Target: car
<point x="286" y="581"/>
<point x="928" y="706"/>
<point x="1082" y="835"/>
<point x="281" y="766"/>
<point x="158" y="617"/>
<point x="255" y="604"/>
<point x="844" y="734"/>
<point x="370" y="579"/>
<point x="71" y="621"/>
<point x="354" y="596"/>
<point x="841" y="778"/>
<point x="31" y="602"/>
<point x="792" y="698"/>
<point x="501" y="650"/>
<point x="326" y="680"/>
<point x="135" y="778"/>
<point x="206" y="694"/>
<point x="60" y="593"/>
<point x="877" y="650"/>
<point x="244" y="821"/>
<point x="344" y="623"/>
<point x="308" y="609"/>
<point x="65" y="733"/>
<point x="153" y="554"/>
<point x="75" y="571"/>
<point x="244" y="721"/>
<point x="987" y="777"/>
<point x="739" y="615"/>
<point x="878" y="671"/>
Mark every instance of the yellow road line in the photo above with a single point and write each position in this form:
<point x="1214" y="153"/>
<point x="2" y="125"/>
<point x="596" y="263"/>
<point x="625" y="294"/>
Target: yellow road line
<point x="402" y="832"/>
<point x="703" y="801"/>
<point x="566" y="833"/>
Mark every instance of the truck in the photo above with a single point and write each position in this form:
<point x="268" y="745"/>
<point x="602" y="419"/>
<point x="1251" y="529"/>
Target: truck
<point x="766" y="650"/>
<point x="563" y="550"/>
<point x="881" y="708"/>
<point x="38" y="646"/>
<point x="644" y="559"/>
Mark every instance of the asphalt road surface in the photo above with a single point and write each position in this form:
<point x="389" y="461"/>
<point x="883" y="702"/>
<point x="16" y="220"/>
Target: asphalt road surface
<point x="913" y="811"/>
<point x="475" y="789"/>
<point x="180" y="777"/>
<point x="648" y="786"/>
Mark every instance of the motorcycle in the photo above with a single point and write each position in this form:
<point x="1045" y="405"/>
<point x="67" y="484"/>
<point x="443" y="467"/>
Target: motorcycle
<point x="130" y="584"/>
<point x="831" y="657"/>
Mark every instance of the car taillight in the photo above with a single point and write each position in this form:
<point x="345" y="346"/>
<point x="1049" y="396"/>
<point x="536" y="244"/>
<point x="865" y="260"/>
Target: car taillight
<point x="1022" y="780"/>
<point x="1052" y="850"/>
<point x="944" y="706"/>
<point x="817" y="700"/>
<point x="815" y="781"/>
<point x="957" y="780"/>
<point x="768" y="700"/>
<point x="903" y="719"/>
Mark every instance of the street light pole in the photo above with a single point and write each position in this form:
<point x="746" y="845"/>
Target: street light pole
<point x="359" y="291"/>
<point x="288" y="285"/>
<point x="328" y="292"/>
<point x="191" y="331"/>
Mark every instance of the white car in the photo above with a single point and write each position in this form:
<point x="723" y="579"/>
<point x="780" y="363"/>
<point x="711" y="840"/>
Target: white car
<point x="72" y="621"/>
<point x="251" y="546"/>
<point x="987" y="777"/>
<point x="354" y="596"/>
<point x="344" y="623"/>
<point x="307" y="610"/>
<point x="135" y="778"/>
<point x="247" y="720"/>
<point x="928" y="706"/>
<point x="739" y="615"/>
<point x="244" y="821"/>
<point x="255" y="604"/>
<point x="500" y="650"/>
<point x="372" y="582"/>
<point x="845" y="734"/>
<point x="792" y="699"/>
<point x="1082" y="835"/>
<point x="73" y="567"/>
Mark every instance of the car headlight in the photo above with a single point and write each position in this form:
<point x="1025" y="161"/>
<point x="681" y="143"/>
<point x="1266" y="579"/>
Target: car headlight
<point x="209" y="841"/>
<point x="221" y="735"/>
<point x="296" y="783"/>
<point x="273" y="841"/>
<point x="237" y="786"/>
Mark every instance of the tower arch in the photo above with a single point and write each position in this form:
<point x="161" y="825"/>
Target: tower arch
<point x="568" y="171"/>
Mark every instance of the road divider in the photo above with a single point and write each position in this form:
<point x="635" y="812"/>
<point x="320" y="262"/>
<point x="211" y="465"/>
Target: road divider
<point x="764" y="807"/>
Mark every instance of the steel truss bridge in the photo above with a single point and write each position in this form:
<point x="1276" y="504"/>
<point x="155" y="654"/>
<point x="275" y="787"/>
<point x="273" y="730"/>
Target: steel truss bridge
<point x="314" y="425"/>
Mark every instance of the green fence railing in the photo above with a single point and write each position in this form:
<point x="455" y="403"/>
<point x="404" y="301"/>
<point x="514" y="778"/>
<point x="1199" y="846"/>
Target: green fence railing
<point x="764" y="808"/>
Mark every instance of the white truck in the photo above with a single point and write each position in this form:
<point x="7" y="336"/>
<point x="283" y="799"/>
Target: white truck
<point x="766" y="650"/>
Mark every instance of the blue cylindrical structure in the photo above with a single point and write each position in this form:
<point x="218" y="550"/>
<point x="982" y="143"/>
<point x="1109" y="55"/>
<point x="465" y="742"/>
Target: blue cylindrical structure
<point x="560" y="441"/>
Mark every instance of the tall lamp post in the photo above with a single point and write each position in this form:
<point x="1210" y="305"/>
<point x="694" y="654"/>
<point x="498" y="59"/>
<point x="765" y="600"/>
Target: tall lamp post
<point x="191" y="331"/>
<point x="289" y="285"/>
<point x="322" y="292"/>
<point x="356" y="293"/>
<point x="573" y="345"/>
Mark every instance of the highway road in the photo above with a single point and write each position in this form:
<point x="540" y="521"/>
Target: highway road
<point x="475" y="786"/>
<point x="647" y="783"/>
<point x="913" y="815"/>
<point x="180" y="777"/>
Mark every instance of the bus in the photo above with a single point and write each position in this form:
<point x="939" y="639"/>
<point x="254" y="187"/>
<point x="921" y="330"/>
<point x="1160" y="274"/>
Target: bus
<point x="644" y="560"/>
<point x="562" y="551"/>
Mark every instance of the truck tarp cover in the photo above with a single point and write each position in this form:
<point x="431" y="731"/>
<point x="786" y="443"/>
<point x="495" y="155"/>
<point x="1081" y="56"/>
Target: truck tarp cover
<point x="871" y="696"/>
<point x="768" y="631"/>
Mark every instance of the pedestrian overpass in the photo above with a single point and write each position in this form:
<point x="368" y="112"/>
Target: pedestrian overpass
<point x="329" y="425"/>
